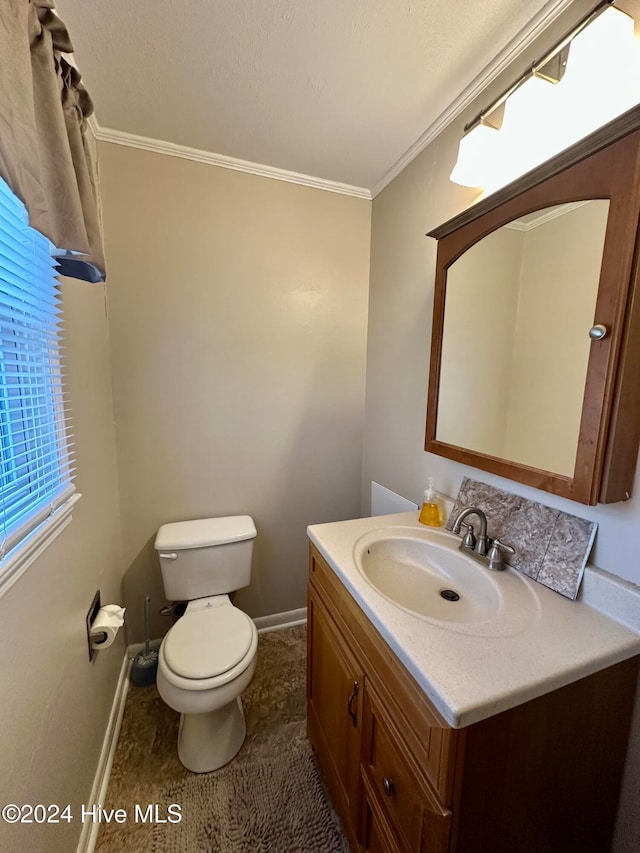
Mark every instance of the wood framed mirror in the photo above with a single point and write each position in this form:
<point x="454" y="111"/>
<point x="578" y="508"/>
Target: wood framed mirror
<point x="535" y="350"/>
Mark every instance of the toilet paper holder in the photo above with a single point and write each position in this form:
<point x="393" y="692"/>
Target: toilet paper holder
<point x="103" y="623"/>
<point x="96" y="604"/>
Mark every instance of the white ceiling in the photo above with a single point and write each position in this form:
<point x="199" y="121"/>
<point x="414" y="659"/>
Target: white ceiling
<point x="337" y="89"/>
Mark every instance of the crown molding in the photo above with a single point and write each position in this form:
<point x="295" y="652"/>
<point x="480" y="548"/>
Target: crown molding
<point x="509" y="54"/>
<point x="491" y="72"/>
<point x="144" y="143"/>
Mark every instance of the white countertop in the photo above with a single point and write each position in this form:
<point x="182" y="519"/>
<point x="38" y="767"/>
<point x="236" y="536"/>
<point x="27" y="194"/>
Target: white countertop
<point x="468" y="677"/>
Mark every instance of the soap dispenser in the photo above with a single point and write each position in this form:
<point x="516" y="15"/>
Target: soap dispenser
<point x="432" y="512"/>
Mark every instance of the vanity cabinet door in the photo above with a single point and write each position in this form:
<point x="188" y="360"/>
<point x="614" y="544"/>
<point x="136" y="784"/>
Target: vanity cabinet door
<point x="394" y="780"/>
<point x="335" y="685"/>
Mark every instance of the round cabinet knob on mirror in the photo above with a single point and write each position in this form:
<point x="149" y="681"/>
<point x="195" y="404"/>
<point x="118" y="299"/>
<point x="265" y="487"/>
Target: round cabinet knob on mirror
<point x="597" y="333"/>
<point x="388" y="786"/>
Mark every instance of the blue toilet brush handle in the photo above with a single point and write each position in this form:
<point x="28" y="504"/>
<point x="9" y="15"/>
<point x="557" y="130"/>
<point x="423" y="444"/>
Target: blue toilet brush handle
<point x="147" y="604"/>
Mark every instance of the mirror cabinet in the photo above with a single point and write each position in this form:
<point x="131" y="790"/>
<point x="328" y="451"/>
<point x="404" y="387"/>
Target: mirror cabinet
<point x="535" y="350"/>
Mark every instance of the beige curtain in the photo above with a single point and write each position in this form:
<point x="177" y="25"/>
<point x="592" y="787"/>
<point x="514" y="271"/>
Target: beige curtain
<point x="44" y="153"/>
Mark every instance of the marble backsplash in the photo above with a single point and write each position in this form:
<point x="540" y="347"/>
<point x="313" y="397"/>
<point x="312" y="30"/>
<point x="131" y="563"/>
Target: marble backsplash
<point x="551" y="546"/>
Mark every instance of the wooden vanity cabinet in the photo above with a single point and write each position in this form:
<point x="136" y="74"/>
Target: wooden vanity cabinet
<point x="384" y="752"/>
<point x="543" y="776"/>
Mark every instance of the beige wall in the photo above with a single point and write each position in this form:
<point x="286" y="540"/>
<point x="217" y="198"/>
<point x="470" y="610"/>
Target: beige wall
<point x="55" y="703"/>
<point x="399" y="335"/>
<point x="237" y="310"/>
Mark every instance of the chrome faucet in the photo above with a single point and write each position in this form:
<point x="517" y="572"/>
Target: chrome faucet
<point x="488" y="551"/>
<point x="479" y="545"/>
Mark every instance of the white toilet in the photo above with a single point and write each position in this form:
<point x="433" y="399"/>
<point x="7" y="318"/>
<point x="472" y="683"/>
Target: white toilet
<point x="208" y="657"/>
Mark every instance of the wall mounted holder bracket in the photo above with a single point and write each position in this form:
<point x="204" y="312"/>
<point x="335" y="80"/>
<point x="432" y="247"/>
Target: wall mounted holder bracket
<point x="91" y="615"/>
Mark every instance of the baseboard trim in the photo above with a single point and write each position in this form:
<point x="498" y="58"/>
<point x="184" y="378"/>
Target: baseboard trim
<point x="90" y="829"/>
<point x="274" y="622"/>
<point x="278" y="621"/>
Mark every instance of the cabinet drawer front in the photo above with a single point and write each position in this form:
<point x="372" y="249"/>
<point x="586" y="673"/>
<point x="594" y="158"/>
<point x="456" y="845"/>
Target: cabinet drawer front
<point x="377" y="835"/>
<point x="395" y="786"/>
<point x="401" y="789"/>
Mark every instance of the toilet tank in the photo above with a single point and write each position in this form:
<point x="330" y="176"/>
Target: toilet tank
<point x="209" y="556"/>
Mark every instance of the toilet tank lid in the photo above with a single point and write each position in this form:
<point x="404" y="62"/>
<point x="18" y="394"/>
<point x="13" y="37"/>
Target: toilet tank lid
<point x="203" y="532"/>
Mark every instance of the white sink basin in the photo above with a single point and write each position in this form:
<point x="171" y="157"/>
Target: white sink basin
<point x="424" y="573"/>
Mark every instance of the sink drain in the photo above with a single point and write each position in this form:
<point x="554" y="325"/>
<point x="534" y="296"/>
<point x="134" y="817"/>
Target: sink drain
<point x="449" y="595"/>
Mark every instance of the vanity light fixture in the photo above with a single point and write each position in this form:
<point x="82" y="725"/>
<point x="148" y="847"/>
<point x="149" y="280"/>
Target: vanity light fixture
<point x="565" y="91"/>
<point x="477" y="147"/>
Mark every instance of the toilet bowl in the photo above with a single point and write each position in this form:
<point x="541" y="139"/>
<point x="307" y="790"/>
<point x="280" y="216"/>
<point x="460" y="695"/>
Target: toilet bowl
<point x="208" y="657"/>
<point x="205" y="662"/>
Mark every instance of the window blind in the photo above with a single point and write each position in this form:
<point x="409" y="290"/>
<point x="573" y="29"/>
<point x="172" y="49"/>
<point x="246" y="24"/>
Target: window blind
<point x="35" y="439"/>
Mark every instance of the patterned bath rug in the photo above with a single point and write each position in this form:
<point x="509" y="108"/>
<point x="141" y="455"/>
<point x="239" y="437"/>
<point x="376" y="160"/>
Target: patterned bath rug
<point x="268" y="804"/>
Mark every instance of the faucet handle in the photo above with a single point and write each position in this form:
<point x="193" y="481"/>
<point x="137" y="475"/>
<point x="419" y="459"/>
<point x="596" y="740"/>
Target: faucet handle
<point x="496" y="555"/>
<point x="504" y="546"/>
<point x="469" y="539"/>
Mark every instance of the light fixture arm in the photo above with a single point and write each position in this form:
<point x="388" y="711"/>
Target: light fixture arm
<point x="540" y="68"/>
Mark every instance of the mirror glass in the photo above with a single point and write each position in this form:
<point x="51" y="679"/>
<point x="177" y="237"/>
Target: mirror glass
<point x="518" y="308"/>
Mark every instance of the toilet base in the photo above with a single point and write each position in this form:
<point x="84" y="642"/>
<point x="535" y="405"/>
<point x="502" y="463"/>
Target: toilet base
<point x="209" y="741"/>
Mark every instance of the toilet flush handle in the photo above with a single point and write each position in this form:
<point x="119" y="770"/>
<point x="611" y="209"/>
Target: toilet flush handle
<point x="171" y="555"/>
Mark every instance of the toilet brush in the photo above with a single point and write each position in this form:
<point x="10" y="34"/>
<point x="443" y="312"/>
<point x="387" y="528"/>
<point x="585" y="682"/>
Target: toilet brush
<point x="145" y="663"/>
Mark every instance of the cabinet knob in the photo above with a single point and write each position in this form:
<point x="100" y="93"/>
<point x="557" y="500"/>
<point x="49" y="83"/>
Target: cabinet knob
<point x="388" y="785"/>
<point x="598" y="332"/>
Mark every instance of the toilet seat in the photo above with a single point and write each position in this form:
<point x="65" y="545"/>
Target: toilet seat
<point x="206" y="643"/>
<point x="208" y="648"/>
